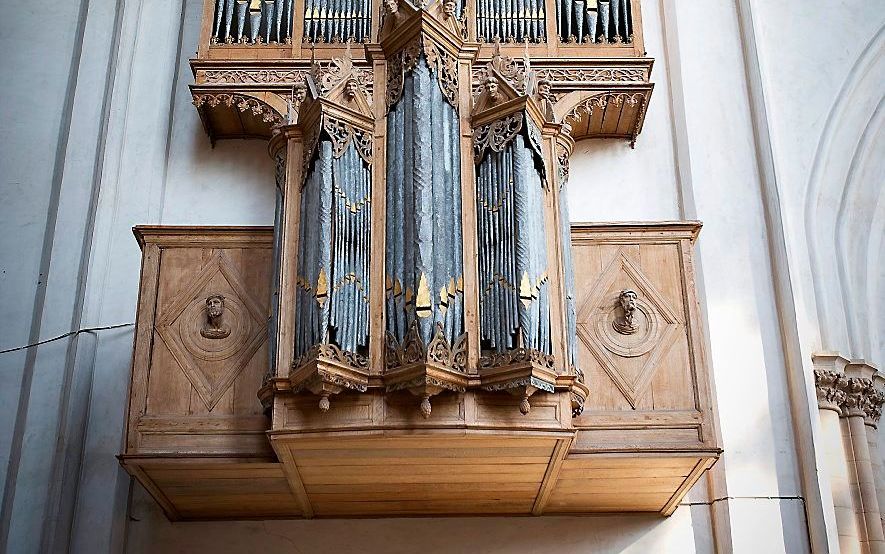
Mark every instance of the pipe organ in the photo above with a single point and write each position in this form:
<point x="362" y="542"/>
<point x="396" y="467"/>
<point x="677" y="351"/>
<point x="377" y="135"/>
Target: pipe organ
<point x="422" y="331"/>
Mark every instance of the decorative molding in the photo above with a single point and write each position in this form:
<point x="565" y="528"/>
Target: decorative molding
<point x="829" y="387"/>
<point x="404" y="61"/>
<point x="516" y="356"/>
<point x="586" y="107"/>
<point x="562" y="158"/>
<point x="496" y="135"/>
<point x="242" y="102"/>
<point x="521" y="382"/>
<point x="573" y="76"/>
<point x="425" y="380"/>
<point x="333" y="353"/>
<point x="601" y="101"/>
<point x="329" y="75"/>
<point x="321" y="376"/>
<point x="851" y="388"/>
<point x="254" y="76"/>
<point x="341" y="133"/>
<point x="413" y="351"/>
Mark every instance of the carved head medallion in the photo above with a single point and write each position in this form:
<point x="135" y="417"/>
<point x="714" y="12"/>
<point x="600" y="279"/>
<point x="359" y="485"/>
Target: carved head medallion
<point x="626" y="324"/>
<point x="299" y="92"/>
<point x="391" y="6"/>
<point x="215" y="328"/>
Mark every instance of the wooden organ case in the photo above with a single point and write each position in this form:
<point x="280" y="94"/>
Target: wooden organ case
<point x="422" y="332"/>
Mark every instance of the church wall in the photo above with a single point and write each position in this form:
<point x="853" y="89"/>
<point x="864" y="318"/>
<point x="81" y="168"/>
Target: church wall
<point x="151" y="162"/>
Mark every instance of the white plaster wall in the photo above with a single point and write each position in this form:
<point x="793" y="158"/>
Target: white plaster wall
<point x="143" y="151"/>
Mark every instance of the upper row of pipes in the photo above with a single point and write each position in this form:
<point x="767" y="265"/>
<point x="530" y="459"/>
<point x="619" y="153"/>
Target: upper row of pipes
<point x="337" y="20"/>
<point x="252" y="21"/>
<point x="332" y="21"/>
<point x="510" y="20"/>
<point x="593" y="21"/>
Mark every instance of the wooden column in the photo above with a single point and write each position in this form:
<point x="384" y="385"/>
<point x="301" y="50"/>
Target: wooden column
<point x="290" y="139"/>
<point x="377" y="325"/>
<point x="468" y="209"/>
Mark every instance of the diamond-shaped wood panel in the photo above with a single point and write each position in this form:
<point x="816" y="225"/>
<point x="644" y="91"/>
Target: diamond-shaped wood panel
<point x="657" y="328"/>
<point x="212" y="361"/>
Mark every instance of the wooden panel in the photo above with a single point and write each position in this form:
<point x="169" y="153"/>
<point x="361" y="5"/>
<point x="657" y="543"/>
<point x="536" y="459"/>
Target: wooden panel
<point x="428" y="474"/>
<point x="195" y="377"/>
<point x="216" y="488"/>
<point x="649" y="375"/>
<point x="616" y="484"/>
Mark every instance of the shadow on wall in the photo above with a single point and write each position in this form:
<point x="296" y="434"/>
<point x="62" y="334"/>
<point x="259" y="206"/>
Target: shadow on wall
<point x="609" y="181"/>
<point x="230" y="184"/>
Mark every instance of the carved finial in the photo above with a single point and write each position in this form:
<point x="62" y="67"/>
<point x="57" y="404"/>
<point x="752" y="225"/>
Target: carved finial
<point x="524" y="406"/>
<point x="425" y="407"/>
<point x="324" y="403"/>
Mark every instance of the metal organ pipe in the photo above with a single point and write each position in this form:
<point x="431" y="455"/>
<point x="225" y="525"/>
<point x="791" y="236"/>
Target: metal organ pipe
<point x="512" y="251"/>
<point x="335" y="21"/>
<point x="424" y="256"/>
<point x="603" y="21"/>
<point x="252" y="21"/>
<point x="333" y="273"/>
<point x="510" y="20"/>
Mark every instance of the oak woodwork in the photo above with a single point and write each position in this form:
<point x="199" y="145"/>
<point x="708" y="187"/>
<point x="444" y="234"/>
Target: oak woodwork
<point x="218" y="427"/>
<point x="373" y="454"/>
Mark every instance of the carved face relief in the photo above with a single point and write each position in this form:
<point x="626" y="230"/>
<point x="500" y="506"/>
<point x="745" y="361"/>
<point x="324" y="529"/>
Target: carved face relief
<point x="299" y="92"/>
<point x="214" y="328"/>
<point x="351" y="88"/>
<point x="449" y="8"/>
<point x="391" y="6"/>
<point x="544" y="89"/>
<point x="492" y="89"/>
<point x="626" y="324"/>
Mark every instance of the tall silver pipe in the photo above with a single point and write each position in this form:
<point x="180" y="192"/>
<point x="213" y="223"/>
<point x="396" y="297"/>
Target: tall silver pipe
<point x="604" y="10"/>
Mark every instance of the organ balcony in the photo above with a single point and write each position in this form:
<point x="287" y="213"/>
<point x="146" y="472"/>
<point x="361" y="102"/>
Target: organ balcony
<point x="422" y="331"/>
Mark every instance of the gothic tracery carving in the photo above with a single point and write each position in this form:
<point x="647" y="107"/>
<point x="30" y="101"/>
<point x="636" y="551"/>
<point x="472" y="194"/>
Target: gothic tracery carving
<point x="443" y="64"/>
<point x="496" y="135"/>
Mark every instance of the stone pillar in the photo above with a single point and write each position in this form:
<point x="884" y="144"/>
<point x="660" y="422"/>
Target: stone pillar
<point x="829" y="382"/>
<point x="874" y="412"/>
<point x="861" y="396"/>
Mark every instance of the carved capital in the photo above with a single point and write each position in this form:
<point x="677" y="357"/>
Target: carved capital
<point x="856" y="391"/>
<point x="828" y="385"/>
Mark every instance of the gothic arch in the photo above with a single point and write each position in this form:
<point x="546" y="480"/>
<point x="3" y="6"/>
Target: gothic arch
<point x="845" y="211"/>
